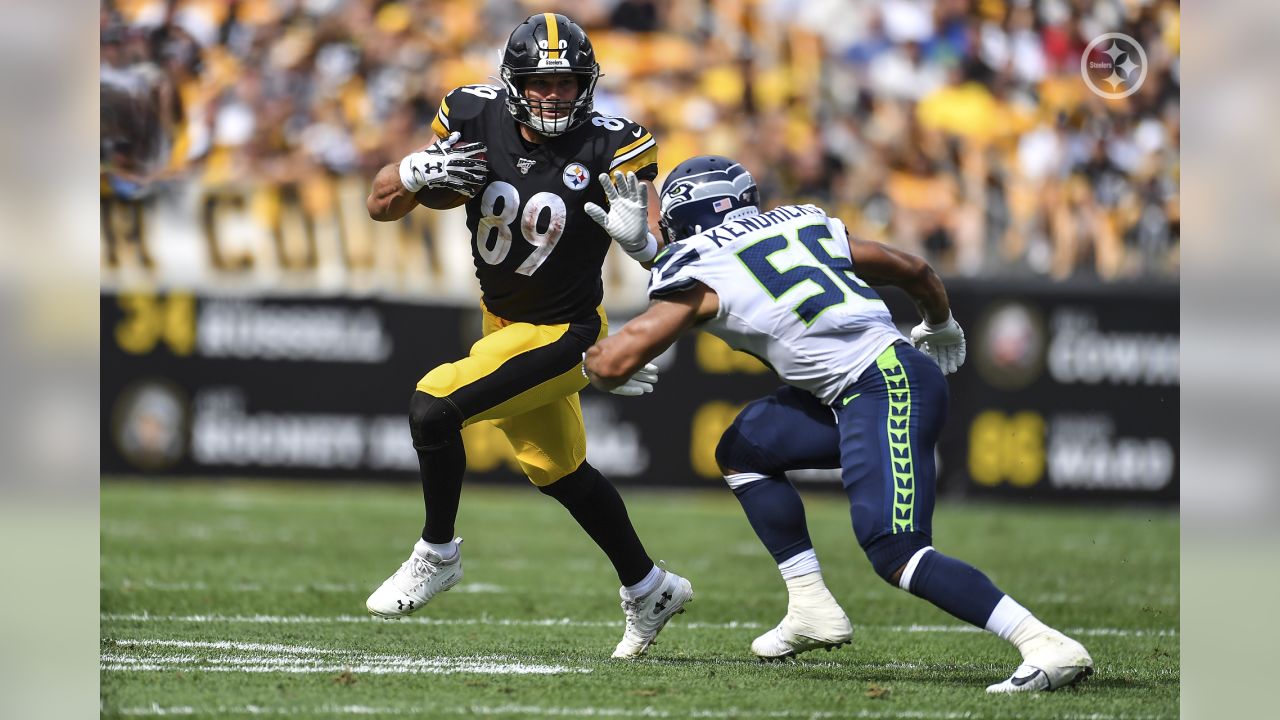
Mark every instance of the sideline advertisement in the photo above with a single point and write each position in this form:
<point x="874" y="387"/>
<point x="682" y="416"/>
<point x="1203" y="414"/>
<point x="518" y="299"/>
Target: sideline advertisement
<point x="1065" y="394"/>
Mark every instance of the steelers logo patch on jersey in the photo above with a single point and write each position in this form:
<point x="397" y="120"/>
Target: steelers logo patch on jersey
<point x="576" y="176"/>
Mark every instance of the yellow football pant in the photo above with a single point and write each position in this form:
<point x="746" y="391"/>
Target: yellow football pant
<point x="525" y="378"/>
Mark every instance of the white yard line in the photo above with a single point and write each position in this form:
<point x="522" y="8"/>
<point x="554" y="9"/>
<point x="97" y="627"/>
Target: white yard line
<point x="156" y="710"/>
<point x="213" y="656"/>
<point x="567" y="622"/>
<point x="129" y="584"/>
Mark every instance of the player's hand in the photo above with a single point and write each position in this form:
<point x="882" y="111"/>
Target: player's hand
<point x="627" y="220"/>
<point x="640" y="382"/>
<point x="460" y="167"/>
<point x="943" y="342"/>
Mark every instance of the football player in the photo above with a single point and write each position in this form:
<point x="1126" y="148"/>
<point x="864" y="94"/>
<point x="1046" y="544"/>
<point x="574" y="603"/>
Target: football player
<point x="524" y="157"/>
<point x="791" y="287"/>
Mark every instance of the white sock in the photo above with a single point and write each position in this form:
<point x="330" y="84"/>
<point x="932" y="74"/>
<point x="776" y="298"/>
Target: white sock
<point x="645" y="586"/>
<point x="446" y="551"/>
<point x="810" y="591"/>
<point x="800" y="564"/>
<point x="1015" y="623"/>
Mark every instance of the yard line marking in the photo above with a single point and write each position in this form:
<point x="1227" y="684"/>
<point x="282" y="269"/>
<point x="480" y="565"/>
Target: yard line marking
<point x="129" y="584"/>
<point x="342" y="619"/>
<point x="646" y="712"/>
<point x="150" y="655"/>
<point x="568" y="622"/>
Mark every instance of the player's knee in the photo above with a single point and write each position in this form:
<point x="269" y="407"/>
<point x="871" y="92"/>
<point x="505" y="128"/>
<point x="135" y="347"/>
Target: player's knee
<point x="433" y="421"/>
<point x="736" y="455"/>
<point x="894" y="556"/>
<point x="575" y="486"/>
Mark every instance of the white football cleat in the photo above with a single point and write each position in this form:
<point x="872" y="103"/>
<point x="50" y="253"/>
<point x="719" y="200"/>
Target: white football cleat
<point x="418" y="580"/>
<point x="810" y="623"/>
<point x="1053" y="661"/>
<point x="646" y="616"/>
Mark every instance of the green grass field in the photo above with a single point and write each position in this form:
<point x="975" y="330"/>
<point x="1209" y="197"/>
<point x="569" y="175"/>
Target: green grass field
<point x="240" y="599"/>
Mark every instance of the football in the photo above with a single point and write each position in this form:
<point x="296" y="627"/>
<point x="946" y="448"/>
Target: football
<point x="441" y="198"/>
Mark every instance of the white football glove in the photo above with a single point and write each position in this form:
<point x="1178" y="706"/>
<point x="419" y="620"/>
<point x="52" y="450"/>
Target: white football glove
<point x="943" y="342"/>
<point x="460" y="167"/>
<point x="627" y="221"/>
<point x="639" y="383"/>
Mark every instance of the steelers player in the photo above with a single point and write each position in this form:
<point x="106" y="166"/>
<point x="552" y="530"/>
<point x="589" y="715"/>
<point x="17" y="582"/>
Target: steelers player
<point x="523" y="157"/>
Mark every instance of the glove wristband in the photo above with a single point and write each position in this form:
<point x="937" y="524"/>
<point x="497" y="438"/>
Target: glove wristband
<point x="940" y="326"/>
<point x="406" y="175"/>
<point x="648" y="252"/>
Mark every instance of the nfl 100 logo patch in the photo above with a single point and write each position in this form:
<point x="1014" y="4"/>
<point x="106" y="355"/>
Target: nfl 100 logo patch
<point x="576" y="176"/>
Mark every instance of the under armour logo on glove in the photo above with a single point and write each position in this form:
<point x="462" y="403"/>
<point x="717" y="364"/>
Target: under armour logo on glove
<point x="448" y="164"/>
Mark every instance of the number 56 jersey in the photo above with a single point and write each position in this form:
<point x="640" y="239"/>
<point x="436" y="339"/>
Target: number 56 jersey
<point x="788" y="294"/>
<point x="537" y="253"/>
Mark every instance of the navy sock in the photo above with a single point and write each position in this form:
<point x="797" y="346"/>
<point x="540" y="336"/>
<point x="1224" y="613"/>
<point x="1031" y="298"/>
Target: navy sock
<point x="955" y="586"/>
<point x="776" y="513"/>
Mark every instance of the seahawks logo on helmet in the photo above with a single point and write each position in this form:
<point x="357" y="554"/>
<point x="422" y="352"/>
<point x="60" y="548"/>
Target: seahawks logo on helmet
<point x="548" y="43"/>
<point x="703" y="192"/>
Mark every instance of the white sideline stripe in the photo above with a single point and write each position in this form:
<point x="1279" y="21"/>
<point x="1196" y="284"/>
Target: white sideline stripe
<point x="147" y="655"/>
<point x="566" y="622"/>
<point x="268" y="665"/>
<point x="164" y="586"/>
<point x="343" y="619"/>
<point x="646" y="712"/>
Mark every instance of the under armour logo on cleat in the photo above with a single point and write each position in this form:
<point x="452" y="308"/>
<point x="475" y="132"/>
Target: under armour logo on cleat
<point x="662" y="604"/>
<point x="401" y="604"/>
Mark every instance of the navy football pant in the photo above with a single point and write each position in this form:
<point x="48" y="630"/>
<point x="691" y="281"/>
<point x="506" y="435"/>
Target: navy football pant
<point x="881" y="432"/>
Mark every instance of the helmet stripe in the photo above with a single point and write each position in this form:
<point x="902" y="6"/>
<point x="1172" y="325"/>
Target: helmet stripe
<point x="553" y="37"/>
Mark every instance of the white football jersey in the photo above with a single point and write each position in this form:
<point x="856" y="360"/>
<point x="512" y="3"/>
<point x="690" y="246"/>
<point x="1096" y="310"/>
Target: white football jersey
<point x="789" y="295"/>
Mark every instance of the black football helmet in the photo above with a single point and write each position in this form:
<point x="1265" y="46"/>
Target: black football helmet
<point x="703" y="192"/>
<point x="549" y="43"/>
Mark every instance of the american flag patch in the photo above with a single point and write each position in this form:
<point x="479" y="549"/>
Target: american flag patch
<point x="721" y="205"/>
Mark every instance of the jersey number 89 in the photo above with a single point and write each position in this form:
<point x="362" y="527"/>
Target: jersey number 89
<point x="499" y="207"/>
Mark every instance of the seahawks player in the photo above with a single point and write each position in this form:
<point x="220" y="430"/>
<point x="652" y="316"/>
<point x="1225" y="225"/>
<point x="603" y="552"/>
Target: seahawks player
<point x="790" y="287"/>
<point x="523" y="156"/>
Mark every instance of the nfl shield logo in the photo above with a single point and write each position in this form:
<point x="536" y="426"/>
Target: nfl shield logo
<point x="721" y="205"/>
<point x="576" y="176"/>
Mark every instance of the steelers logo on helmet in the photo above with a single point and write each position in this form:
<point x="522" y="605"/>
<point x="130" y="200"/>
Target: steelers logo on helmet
<point x="576" y="176"/>
<point x="546" y="44"/>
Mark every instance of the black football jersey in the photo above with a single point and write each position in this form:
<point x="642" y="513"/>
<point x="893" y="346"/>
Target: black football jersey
<point x="537" y="253"/>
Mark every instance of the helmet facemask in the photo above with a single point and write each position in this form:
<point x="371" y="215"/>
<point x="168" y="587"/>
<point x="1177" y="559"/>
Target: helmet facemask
<point x="571" y="112"/>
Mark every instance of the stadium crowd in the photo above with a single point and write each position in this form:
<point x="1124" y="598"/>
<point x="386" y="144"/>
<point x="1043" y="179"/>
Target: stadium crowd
<point x="958" y="129"/>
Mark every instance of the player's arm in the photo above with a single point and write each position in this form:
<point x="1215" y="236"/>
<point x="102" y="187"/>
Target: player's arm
<point x="880" y="264"/>
<point x="939" y="336"/>
<point x="458" y="169"/>
<point x="389" y="199"/>
<point x="450" y="169"/>
<point x="611" y="361"/>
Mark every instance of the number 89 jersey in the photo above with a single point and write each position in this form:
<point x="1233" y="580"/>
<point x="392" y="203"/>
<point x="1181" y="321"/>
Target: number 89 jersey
<point x="537" y="253"/>
<point x="788" y="294"/>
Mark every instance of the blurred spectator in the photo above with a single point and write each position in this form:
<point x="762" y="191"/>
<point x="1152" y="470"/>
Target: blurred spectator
<point x="960" y="129"/>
